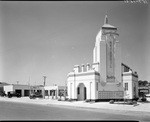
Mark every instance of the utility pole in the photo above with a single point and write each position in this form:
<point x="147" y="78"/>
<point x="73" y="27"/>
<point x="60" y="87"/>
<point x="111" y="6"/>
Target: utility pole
<point x="29" y="86"/>
<point x="74" y="84"/>
<point x="29" y="81"/>
<point x="17" y="82"/>
<point x="65" y="90"/>
<point x="44" y="80"/>
<point x="44" y="85"/>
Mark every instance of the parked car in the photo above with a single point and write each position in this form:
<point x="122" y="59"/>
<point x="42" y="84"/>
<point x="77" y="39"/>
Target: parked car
<point x="13" y="94"/>
<point x="2" y="94"/>
<point x="35" y="95"/>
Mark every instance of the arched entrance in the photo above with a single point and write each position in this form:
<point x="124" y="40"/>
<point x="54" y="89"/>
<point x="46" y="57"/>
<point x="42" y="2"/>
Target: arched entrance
<point x="81" y="92"/>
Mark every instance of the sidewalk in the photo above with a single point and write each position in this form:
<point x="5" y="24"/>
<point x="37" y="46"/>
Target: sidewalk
<point x="142" y="107"/>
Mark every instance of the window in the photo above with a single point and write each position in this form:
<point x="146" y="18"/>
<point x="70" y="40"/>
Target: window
<point x="46" y="92"/>
<point x="84" y="92"/>
<point x="126" y="86"/>
<point x="135" y="88"/>
<point x="78" y="90"/>
<point x="26" y="92"/>
<point x="39" y="91"/>
<point x="126" y="69"/>
<point x="61" y="92"/>
<point x="51" y="92"/>
<point x="97" y="86"/>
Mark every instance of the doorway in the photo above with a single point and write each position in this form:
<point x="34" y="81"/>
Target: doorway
<point x="19" y="91"/>
<point x="81" y="92"/>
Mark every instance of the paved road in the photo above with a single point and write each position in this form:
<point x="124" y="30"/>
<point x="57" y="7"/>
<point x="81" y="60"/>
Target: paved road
<point x="20" y="111"/>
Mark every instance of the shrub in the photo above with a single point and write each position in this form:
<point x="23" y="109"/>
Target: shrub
<point x="135" y="99"/>
<point x="70" y="100"/>
<point x="130" y="102"/>
<point x="111" y="101"/>
<point x="142" y="99"/>
<point x="66" y="99"/>
<point x="87" y="100"/>
<point x="134" y="102"/>
<point x="59" y="99"/>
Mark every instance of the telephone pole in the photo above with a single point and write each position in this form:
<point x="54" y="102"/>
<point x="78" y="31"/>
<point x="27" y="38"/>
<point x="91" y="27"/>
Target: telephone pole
<point x="17" y="82"/>
<point x="44" y="80"/>
<point x="44" y="86"/>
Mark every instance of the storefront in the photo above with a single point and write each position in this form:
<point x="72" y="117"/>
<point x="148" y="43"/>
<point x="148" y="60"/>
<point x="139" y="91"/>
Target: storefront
<point x="55" y="92"/>
<point x="23" y="90"/>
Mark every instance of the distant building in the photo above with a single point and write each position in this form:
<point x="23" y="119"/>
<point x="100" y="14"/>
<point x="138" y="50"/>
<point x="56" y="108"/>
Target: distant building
<point x="51" y="92"/>
<point x="24" y="90"/>
<point x="2" y="84"/>
<point x="37" y="88"/>
<point x="54" y="92"/>
<point x="143" y="90"/>
<point x="130" y="82"/>
<point x="106" y="78"/>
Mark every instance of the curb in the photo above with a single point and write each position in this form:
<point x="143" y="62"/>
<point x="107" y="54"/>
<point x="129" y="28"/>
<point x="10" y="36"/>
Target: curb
<point x="71" y="105"/>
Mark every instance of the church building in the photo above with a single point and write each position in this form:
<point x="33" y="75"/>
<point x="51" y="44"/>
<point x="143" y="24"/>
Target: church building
<point x="106" y="78"/>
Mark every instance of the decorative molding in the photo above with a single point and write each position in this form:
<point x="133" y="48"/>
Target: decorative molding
<point x="109" y="28"/>
<point x="103" y="83"/>
<point x="105" y="33"/>
<point x="130" y="73"/>
<point x="118" y="84"/>
<point x="84" y="74"/>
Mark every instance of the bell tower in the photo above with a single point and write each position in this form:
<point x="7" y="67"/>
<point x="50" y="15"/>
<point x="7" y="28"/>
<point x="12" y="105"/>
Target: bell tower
<point x="107" y="53"/>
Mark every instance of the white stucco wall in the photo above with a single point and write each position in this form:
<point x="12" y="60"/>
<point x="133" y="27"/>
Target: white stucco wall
<point x="110" y="90"/>
<point x="129" y="92"/>
<point x="87" y="79"/>
<point x="94" y="60"/>
<point x="135" y="84"/>
<point x="21" y="87"/>
<point x="56" y="88"/>
<point x="50" y="87"/>
<point x="103" y="61"/>
<point x="132" y="81"/>
<point x="8" y="88"/>
<point x="118" y="72"/>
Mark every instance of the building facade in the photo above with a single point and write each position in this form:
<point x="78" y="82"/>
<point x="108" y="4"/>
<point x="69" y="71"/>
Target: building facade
<point x="144" y="90"/>
<point x="104" y="78"/>
<point x="130" y="83"/>
<point x="54" y="92"/>
<point x="23" y="90"/>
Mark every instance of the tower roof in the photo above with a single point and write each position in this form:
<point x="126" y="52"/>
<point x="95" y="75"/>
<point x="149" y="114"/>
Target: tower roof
<point x="106" y="25"/>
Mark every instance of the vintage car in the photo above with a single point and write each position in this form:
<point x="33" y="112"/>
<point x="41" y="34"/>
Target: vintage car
<point x="35" y="95"/>
<point x="2" y="94"/>
<point x="13" y="94"/>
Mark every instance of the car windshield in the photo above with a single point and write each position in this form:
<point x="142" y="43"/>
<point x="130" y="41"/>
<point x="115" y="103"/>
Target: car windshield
<point x="12" y="92"/>
<point x="35" y="93"/>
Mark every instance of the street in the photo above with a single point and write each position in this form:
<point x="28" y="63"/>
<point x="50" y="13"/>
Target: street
<point x="21" y="111"/>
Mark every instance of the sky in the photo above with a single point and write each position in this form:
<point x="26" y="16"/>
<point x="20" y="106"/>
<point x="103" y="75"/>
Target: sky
<point x="47" y="38"/>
